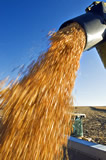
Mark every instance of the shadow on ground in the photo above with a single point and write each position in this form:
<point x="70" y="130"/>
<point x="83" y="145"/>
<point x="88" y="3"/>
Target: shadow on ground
<point x="98" y="109"/>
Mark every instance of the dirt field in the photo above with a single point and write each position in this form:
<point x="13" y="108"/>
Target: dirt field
<point x="95" y="123"/>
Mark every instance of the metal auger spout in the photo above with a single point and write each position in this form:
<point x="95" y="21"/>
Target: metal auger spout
<point x="94" y="24"/>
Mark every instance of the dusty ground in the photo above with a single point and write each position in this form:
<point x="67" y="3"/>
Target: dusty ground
<point x="95" y="123"/>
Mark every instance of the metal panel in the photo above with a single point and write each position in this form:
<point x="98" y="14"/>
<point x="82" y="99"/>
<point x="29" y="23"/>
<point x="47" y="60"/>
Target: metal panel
<point x="89" y="149"/>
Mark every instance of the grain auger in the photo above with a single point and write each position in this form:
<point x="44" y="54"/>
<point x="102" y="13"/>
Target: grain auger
<point x="94" y="24"/>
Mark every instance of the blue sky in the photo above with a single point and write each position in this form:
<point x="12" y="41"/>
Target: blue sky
<point x="24" y="25"/>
